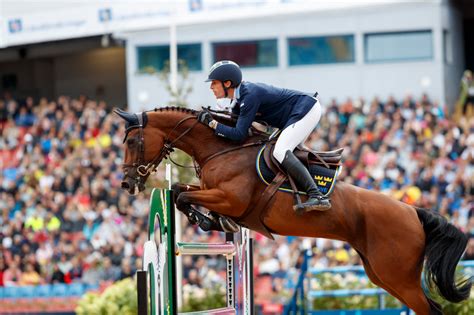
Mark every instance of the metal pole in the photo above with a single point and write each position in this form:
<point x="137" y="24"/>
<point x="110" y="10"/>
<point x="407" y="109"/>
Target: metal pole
<point x="174" y="88"/>
<point x="173" y="51"/>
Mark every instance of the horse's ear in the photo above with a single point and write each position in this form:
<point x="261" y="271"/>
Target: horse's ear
<point x="131" y="118"/>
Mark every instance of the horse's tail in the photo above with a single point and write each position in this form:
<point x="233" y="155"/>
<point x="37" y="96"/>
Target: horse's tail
<point x="445" y="245"/>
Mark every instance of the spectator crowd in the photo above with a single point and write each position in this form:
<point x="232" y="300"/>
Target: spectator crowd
<point x="64" y="218"/>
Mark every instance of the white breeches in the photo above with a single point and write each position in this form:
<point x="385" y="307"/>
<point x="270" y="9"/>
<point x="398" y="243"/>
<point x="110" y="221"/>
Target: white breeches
<point x="297" y="133"/>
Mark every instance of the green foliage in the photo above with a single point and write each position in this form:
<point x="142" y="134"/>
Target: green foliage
<point x="464" y="308"/>
<point x="120" y="298"/>
<point x="211" y="299"/>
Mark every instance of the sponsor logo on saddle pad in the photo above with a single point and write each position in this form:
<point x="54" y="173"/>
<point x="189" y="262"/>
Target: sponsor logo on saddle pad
<point x="324" y="177"/>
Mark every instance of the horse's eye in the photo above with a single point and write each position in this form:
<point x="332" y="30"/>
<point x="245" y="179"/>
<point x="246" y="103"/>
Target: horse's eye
<point x="131" y="141"/>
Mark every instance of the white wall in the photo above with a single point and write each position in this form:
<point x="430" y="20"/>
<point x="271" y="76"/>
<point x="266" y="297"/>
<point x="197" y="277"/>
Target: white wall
<point x="331" y="81"/>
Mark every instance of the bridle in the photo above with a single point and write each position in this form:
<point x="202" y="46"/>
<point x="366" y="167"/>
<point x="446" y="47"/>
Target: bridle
<point x="142" y="168"/>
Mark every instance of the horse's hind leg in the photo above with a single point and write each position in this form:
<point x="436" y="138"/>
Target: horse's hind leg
<point x="373" y="277"/>
<point x="413" y="297"/>
<point x="402" y="278"/>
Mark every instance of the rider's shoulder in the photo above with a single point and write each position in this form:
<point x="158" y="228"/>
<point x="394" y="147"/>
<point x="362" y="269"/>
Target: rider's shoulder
<point x="253" y="88"/>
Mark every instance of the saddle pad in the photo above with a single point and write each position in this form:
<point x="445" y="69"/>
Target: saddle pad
<point x="325" y="178"/>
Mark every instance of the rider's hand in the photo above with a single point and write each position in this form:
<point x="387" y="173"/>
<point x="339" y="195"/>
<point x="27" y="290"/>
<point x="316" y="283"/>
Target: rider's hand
<point x="206" y="118"/>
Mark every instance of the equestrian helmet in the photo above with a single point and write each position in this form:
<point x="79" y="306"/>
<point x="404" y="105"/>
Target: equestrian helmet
<point x="225" y="70"/>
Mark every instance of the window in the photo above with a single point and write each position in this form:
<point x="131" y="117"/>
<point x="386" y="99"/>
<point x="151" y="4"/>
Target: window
<point x="398" y="46"/>
<point x="259" y="53"/>
<point x="320" y="50"/>
<point x="155" y="57"/>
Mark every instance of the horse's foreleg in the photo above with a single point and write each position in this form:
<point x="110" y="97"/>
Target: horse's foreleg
<point x="205" y="222"/>
<point x="213" y="199"/>
<point x="178" y="188"/>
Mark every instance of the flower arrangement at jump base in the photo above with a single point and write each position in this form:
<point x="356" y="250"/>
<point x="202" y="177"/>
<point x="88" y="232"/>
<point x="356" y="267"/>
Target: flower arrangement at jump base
<point x="119" y="298"/>
<point x="328" y="281"/>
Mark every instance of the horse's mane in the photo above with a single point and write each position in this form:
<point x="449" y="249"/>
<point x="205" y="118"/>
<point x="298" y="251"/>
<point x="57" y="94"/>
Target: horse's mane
<point x="221" y="116"/>
<point x="175" y="109"/>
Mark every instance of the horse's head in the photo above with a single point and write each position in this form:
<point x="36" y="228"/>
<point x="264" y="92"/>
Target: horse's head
<point x="139" y="162"/>
<point x="146" y="145"/>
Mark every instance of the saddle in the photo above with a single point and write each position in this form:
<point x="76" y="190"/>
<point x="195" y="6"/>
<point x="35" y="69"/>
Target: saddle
<point x="324" y="167"/>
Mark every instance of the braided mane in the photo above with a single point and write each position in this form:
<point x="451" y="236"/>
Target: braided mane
<point x="219" y="116"/>
<point x="176" y="109"/>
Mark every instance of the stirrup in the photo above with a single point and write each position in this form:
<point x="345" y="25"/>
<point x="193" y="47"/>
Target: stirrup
<point x="228" y="225"/>
<point x="323" y="205"/>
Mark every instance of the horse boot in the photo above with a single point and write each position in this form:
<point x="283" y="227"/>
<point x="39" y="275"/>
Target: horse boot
<point x="227" y="224"/>
<point x="302" y="177"/>
<point x="204" y="222"/>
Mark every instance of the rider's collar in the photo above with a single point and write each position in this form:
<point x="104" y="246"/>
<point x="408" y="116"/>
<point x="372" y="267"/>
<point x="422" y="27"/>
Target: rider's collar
<point x="237" y="92"/>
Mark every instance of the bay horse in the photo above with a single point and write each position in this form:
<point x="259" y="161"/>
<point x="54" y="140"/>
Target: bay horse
<point x="393" y="239"/>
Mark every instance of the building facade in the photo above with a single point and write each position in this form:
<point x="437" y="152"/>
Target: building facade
<point x="344" y="52"/>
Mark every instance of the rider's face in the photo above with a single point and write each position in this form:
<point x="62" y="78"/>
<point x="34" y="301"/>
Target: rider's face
<point x="217" y="89"/>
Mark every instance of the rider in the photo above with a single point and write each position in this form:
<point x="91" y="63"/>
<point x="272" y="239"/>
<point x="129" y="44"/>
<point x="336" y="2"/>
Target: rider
<point x="295" y="113"/>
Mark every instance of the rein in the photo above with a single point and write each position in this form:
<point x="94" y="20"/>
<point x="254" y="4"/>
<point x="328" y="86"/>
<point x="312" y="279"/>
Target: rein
<point x="251" y="144"/>
<point x="168" y="147"/>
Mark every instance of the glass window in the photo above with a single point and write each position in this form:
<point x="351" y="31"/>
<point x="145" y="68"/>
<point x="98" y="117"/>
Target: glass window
<point x="398" y="46"/>
<point x="320" y="50"/>
<point x="155" y="57"/>
<point x="258" y="53"/>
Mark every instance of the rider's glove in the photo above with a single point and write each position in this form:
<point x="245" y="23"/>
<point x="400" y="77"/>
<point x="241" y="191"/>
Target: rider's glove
<point x="206" y="118"/>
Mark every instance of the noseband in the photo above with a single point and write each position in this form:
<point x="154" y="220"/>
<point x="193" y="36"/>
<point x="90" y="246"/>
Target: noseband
<point x="144" y="169"/>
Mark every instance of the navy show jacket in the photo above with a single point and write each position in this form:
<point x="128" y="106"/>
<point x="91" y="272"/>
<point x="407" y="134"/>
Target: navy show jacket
<point x="278" y="107"/>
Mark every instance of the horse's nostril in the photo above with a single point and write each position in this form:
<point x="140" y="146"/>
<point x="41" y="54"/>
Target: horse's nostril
<point x="125" y="185"/>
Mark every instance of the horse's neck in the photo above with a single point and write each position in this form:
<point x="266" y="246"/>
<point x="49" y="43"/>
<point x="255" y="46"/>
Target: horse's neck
<point x="200" y="142"/>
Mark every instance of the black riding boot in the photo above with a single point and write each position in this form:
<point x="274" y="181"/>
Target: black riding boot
<point x="304" y="181"/>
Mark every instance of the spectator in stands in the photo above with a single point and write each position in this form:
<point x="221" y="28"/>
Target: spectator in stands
<point x="94" y="272"/>
<point x="126" y="270"/>
<point x="3" y="267"/>
<point x="109" y="271"/>
<point x="12" y="275"/>
<point x="57" y="276"/>
<point x="75" y="273"/>
<point x="30" y="276"/>
<point x="466" y="97"/>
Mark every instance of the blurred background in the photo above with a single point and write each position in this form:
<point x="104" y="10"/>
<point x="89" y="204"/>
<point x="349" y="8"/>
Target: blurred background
<point x="393" y="77"/>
